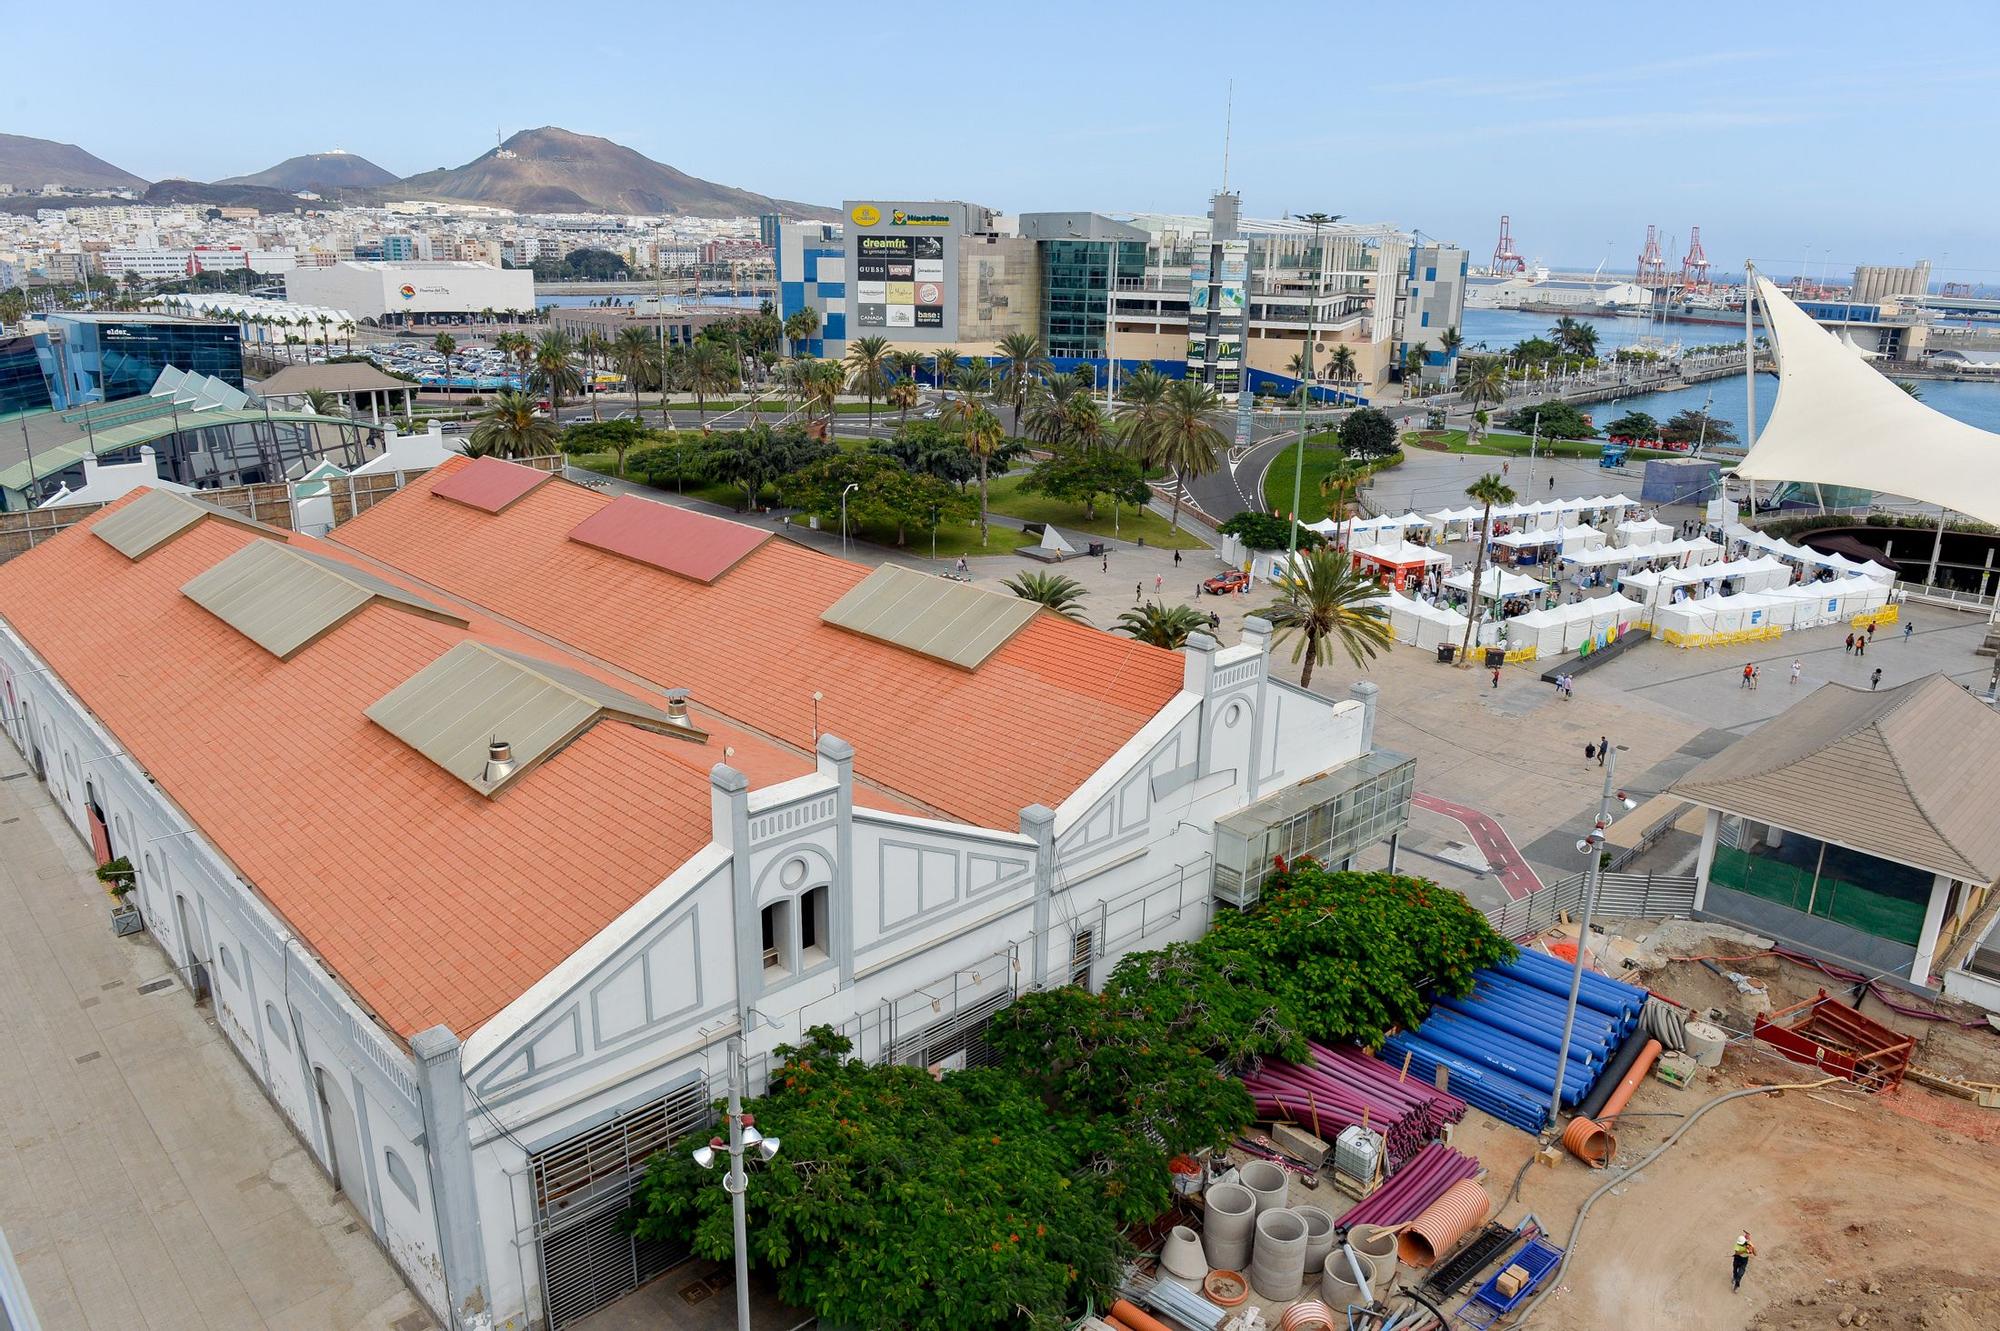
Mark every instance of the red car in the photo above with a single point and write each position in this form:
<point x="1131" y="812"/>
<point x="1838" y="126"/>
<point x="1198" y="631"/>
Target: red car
<point x="1223" y="584"/>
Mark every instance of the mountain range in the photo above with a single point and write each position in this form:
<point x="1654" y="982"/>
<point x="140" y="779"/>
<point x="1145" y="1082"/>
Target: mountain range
<point x="537" y="170"/>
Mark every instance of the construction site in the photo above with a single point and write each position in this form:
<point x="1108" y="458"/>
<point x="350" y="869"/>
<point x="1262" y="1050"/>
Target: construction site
<point x="1847" y="1131"/>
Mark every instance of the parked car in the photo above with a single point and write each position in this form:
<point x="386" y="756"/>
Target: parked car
<point x="1224" y="584"/>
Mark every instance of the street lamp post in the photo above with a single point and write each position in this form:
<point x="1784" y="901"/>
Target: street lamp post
<point x="743" y="1135"/>
<point x="852" y="486"/>
<point x="1318" y="220"/>
<point x="1592" y="845"/>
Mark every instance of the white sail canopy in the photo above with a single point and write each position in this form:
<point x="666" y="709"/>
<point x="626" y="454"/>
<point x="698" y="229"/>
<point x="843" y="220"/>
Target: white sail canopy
<point x="1840" y="422"/>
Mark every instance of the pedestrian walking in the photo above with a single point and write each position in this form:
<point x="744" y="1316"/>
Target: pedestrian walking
<point x="1138" y="592"/>
<point x="1908" y="629"/>
<point x="1861" y="644"/>
<point x="1753" y="679"/>
<point x="1177" y="559"/>
<point x="963" y="567"/>
<point x="1589" y="753"/>
<point x="1849" y="650"/>
<point x="1875" y="679"/>
<point x="1739" y="1260"/>
<point x="1107" y="561"/>
<point x="1748" y="671"/>
<point x="1603" y="747"/>
<point x="1496" y="677"/>
<point x="1871" y="630"/>
<point x="1552" y="485"/>
<point x="1797" y="668"/>
<point x="1159" y="582"/>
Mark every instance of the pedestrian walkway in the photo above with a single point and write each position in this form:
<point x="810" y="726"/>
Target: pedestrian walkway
<point x="145" y="1182"/>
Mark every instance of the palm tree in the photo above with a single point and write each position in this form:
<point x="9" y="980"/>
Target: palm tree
<point x="1340" y="363"/>
<point x="903" y="394"/>
<point x="1327" y="602"/>
<point x="1084" y="424"/>
<point x="906" y="364"/>
<point x="635" y="353"/>
<point x="1185" y="437"/>
<point x="512" y="428"/>
<point x="1048" y="416"/>
<point x="1911" y="387"/>
<point x="444" y="344"/>
<point x="823" y="381"/>
<point x="1138" y="415"/>
<point x="943" y="362"/>
<point x="1053" y="590"/>
<point x="800" y="325"/>
<point x="709" y="368"/>
<point x="322" y="403"/>
<point x="983" y="437"/>
<point x="1344" y="477"/>
<point x="1565" y="331"/>
<point x="1488" y="490"/>
<point x="1021" y="364"/>
<point x="1451" y="340"/>
<point x="1485" y="386"/>
<point x="554" y="373"/>
<point x="1413" y="368"/>
<point x="1165" y="626"/>
<point x="596" y="349"/>
<point x="868" y="359"/>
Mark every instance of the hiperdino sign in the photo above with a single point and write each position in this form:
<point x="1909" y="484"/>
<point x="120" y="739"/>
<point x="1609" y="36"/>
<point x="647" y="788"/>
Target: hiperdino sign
<point x="901" y="218"/>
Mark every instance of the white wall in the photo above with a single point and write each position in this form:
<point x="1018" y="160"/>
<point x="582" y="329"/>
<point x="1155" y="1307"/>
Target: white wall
<point x="281" y="1012"/>
<point x="370" y="290"/>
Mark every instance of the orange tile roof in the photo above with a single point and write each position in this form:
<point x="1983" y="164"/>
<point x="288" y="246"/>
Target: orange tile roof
<point x="431" y="902"/>
<point x="1030" y="725"/>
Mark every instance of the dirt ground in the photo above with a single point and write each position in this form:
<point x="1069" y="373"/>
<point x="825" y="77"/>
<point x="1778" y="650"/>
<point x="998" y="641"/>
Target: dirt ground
<point x="1843" y="1193"/>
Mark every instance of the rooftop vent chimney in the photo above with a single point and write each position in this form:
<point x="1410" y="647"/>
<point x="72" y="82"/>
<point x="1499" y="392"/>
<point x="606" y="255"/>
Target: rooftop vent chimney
<point x="499" y="762"/>
<point x="677" y="708"/>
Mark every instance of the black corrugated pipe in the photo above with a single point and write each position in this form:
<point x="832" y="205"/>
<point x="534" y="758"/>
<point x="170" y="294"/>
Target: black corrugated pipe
<point x="1607" y="1081"/>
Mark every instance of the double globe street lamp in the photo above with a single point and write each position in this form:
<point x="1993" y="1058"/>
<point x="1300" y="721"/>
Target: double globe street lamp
<point x="743" y="1136"/>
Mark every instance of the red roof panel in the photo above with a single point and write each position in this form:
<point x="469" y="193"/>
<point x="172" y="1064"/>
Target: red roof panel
<point x="489" y="484"/>
<point x="678" y="540"/>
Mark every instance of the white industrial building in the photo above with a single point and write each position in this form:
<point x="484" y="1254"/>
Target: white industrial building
<point x="419" y="292"/>
<point x="485" y="986"/>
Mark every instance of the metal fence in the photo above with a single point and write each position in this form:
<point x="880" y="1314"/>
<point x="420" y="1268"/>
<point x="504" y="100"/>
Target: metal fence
<point x="1618" y="894"/>
<point x="1946" y="596"/>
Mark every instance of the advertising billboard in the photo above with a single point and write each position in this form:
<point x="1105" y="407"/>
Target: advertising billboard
<point x="901" y="265"/>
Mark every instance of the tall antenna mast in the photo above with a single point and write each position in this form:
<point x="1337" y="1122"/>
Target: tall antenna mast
<point x="1228" y="126"/>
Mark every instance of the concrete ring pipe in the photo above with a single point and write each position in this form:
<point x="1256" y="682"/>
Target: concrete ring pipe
<point x="1278" y="1267"/>
<point x="1319" y="1236"/>
<point x="1228" y="1215"/>
<point x="1267" y="1183"/>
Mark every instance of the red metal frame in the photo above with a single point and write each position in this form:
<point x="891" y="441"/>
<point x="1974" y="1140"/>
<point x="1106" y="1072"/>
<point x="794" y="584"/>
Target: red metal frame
<point x="1826" y="1033"/>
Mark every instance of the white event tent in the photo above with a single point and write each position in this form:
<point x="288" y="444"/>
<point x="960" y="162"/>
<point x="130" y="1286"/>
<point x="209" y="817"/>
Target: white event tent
<point x="1497" y="582"/>
<point x="1564" y="628"/>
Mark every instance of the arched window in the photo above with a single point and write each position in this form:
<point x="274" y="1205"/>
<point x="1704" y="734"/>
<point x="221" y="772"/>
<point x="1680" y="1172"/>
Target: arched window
<point x="277" y="1025"/>
<point x="227" y="962"/>
<point x="399" y="1174"/>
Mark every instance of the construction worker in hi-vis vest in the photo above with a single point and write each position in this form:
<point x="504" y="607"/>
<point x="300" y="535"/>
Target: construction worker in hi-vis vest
<point x="1739" y="1261"/>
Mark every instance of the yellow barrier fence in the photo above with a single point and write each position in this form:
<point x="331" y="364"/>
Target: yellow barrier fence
<point x="1880" y="615"/>
<point x="1761" y="633"/>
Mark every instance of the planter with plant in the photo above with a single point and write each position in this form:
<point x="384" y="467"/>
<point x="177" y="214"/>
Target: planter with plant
<point x="119" y="878"/>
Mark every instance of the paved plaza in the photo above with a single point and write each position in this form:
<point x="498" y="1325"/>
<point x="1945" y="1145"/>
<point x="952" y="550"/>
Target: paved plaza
<point x="145" y="1184"/>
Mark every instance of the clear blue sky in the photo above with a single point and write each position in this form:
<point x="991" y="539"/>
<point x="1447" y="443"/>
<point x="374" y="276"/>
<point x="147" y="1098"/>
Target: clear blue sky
<point x="1836" y="133"/>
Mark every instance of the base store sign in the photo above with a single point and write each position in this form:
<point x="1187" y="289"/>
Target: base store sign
<point x="899" y="281"/>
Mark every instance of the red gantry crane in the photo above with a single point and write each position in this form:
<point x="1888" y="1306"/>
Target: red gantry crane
<point x="1652" y="272"/>
<point x="1694" y="266"/>
<point x="1506" y="259"/>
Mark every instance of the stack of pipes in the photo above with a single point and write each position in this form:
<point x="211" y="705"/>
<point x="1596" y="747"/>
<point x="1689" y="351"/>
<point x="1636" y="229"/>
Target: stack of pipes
<point x="1412" y="1188"/>
<point x="1340" y="1088"/>
<point x="1500" y="1044"/>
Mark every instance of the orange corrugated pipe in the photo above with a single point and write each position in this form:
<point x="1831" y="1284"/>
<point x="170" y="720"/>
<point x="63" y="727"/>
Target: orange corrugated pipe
<point x="1456" y="1212"/>
<point x="1137" y="1318"/>
<point x="1593" y="1143"/>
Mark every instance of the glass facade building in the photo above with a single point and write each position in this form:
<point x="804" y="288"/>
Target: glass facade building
<point x="1076" y="280"/>
<point x="22" y="387"/>
<point x="110" y="357"/>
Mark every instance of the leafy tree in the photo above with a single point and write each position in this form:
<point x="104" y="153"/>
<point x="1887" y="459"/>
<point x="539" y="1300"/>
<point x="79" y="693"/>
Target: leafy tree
<point x="1184" y="435"/>
<point x="681" y="463"/>
<point x="1165" y="626"/>
<point x="614" y="437"/>
<point x="1262" y="531"/>
<point x="1488" y="490"/>
<point x="1082" y="475"/>
<point x="906" y="1202"/>
<point x="1685" y="427"/>
<point x="868" y="368"/>
<point x="1368" y="433"/>
<point x="512" y="428"/>
<point x="1559" y="420"/>
<point x="889" y="494"/>
<point x="759" y="456"/>
<point x="1327" y="603"/>
<point x="1534" y="350"/>
<point x="1633" y="425"/>
<point x="932" y="449"/>
<point x="1349" y="956"/>
<point x="1060" y="594"/>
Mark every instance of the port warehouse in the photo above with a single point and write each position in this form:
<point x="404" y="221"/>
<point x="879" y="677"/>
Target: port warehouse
<point x="481" y="992"/>
<point x="413" y="292"/>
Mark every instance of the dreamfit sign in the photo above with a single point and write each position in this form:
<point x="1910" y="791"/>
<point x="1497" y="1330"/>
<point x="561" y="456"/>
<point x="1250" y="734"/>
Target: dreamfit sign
<point x="902" y="266"/>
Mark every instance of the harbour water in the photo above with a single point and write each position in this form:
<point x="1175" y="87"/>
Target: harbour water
<point x="577" y="302"/>
<point x="1974" y="403"/>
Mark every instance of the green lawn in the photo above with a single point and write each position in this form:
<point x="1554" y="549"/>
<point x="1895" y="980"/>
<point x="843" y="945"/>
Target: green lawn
<point x="953" y="538"/>
<point x="1320" y="459"/>
<point x="1497" y="444"/>
<point x="1003" y="495"/>
<point x="719" y="493"/>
